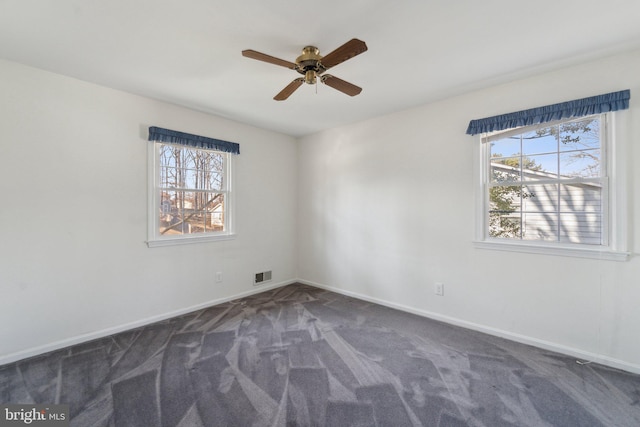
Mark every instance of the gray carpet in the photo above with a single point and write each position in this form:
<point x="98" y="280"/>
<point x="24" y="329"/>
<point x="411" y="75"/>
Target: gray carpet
<point x="302" y="356"/>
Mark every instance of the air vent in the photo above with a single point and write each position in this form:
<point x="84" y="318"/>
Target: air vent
<point x="262" y="277"/>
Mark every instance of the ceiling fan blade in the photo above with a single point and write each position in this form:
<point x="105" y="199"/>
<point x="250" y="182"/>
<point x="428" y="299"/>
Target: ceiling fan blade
<point x="341" y="85"/>
<point x="287" y="91"/>
<point x="347" y="51"/>
<point x="249" y="53"/>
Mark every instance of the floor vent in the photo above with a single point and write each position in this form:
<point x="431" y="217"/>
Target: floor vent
<point x="260" y="278"/>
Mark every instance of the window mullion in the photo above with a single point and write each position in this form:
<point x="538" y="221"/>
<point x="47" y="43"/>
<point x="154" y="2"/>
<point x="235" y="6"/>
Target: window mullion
<point x="558" y="188"/>
<point x="606" y="237"/>
<point x="521" y="162"/>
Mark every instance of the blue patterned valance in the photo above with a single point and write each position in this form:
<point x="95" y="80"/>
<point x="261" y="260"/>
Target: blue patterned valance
<point x="580" y="107"/>
<point x="175" y="137"/>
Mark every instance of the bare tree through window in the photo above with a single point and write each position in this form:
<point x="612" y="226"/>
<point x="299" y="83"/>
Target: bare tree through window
<point x="192" y="190"/>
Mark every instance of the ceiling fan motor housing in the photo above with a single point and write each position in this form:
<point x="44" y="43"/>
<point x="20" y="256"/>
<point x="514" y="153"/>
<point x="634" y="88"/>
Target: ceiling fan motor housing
<point x="308" y="63"/>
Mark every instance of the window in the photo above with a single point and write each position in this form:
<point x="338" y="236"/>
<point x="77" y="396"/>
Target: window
<point x="552" y="178"/>
<point x="546" y="183"/>
<point x="550" y="186"/>
<point x="190" y="193"/>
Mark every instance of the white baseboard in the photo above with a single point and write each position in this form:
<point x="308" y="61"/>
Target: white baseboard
<point x="46" y="348"/>
<point x="547" y="345"/>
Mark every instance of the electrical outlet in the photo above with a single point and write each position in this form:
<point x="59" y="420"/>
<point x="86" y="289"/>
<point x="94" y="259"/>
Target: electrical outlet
<point x="219" y="277"/>
<point x="439" y="289"/>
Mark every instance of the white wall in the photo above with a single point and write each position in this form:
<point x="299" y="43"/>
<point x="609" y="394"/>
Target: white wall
<point x="73" y="213"/>
<point x="386" y="208"/>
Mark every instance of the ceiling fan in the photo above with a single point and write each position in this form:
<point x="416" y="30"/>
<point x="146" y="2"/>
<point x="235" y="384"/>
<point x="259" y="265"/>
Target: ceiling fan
<point x="312" y="65"/>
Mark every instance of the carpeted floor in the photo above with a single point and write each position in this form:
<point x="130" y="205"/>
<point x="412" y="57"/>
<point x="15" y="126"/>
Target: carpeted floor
<point x="302" y="356"/>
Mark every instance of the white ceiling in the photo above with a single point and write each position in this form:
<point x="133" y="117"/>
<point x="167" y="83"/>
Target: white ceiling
<point x="188" y="52"/>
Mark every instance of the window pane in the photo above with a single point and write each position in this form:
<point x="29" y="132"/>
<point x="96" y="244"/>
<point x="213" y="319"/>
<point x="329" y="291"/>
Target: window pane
<point x="540" y="226"/>
<point x="192" y="213"/>
<point x="190" y="178"/>
<point x="504" y="225"/>
<point x="206" y="172"/>
<point x="585" y="197"/>
<point x="540" y="141"/>
<point x="580" y="134"/>
<point x="506" y="147"/>
<point x="171" y="213"/>
<point x="504" y="215"/>
<point x="165" y="203"/>
<point x="189" y="158"/>
<point x="213" y="179"/>
<point x="538" y="167"/>
<point x="168" y="159"/>
<point x="581" y="227"/>
<point x="583" y="164"/>
<point x="505" y="170"/>
<point x="196" y="220"/>
<point x="505" y="198"/>
<point x="165" y="173"/>
<point x="214" y="213"/>
<point x="540" y="198"/>
<point x="168" y="155"/>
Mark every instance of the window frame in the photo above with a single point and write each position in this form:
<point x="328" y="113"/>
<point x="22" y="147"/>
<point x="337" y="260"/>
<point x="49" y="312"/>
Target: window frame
<point x="614" y="209"/>
<point x="154" y="238"/>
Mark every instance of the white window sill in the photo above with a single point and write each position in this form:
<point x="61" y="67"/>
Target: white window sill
<point x="570" y="251"/>
<point x="186" y="240"/>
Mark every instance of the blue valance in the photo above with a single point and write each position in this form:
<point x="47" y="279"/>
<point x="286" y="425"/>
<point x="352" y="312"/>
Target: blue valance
<point x="175" y="137"/>
<point x="578" y="108"/>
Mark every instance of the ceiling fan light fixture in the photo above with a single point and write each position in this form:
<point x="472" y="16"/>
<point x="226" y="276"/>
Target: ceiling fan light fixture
<point x="310" y="77"/>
